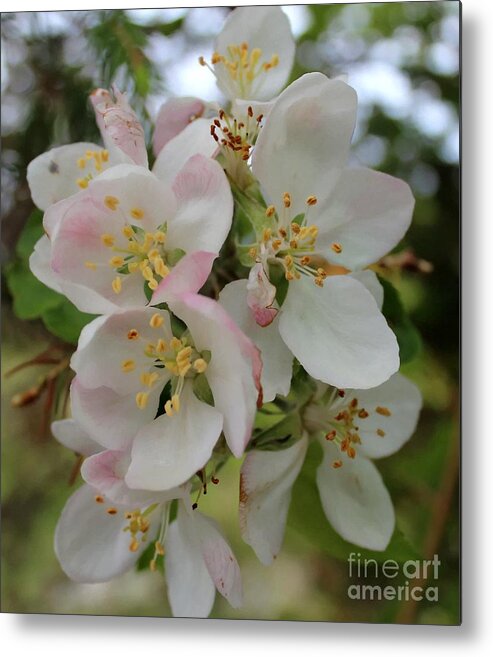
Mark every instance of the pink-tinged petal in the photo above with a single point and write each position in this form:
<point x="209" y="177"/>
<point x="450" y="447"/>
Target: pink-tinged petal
<point x="53" y="175"/>
<point x="205" y="207"/>
<point x="261" y="295"/>
<point x="173" y="117"/>
<point x="268" y="29"/>
<point x="90" y="543"/>
<point x="39" y="263"/>
<point x="189" y="275"/>
<point x="106" y="473"/>
<point x="195" y="139"/>
<point x="104" y="345"/>
<point x="382" y="434"/>
<point x="169" y="450"/>
<point x="266" y="481"/>
<point x="277" y="360"/>
<point x="79" y="254"/>
<point x="338" y="333"/>
<point x="305" y="141"/>
<point x="70" y="434"/>
<point x="368" y="213"/>
<point x="191" y="591"/>
<point x="354" y="499"/>
<point x="235" y="367"/>
<point x="120" y="128"/>
<point x="111" y="419"/>
<point x="219" y="559"/>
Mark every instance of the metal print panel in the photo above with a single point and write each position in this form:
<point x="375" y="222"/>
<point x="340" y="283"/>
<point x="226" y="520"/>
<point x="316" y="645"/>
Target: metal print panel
<point x="230" y="334"/>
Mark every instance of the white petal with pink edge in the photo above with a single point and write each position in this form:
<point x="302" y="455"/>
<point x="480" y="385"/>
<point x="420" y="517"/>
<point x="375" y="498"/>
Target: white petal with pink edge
<point x="235" y="368"/>
<point x="204" y="206"/>
<point x="195" y="139"/>
<point x="266" y="481"/>
<point x="277" y="360"/>
<point x="174" y="116"/>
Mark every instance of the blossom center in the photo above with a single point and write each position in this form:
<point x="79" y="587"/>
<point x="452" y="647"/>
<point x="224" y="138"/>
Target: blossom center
<point x="247" y="69"/>
<point x="177" y="356"/>
<point x="91" y="165"/>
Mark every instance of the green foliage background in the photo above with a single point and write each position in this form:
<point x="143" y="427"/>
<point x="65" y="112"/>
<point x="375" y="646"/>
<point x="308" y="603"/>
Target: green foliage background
<point x="48" y="89"/>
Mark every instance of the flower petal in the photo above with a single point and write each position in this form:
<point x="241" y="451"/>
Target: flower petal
<point x="169" y="450"/>
<point x="261" y="295"/>
<point x="191" y="590"/>
<point x="277" y="360"/>
<point x="338" y="334"/>
<point x="105" y="346"/>
<point x="368" y="213"/>
<point x="266" y="481"/>
<point x="106" y="473"/>
<point x="112" y="419"/>
<point x="79" y="254"/>
<point x="305" y="141"/>
<point x="235" y="367"/>
<point x="370" y="280"/>
<point x="120" y="128"/>
<point x="174" y="116"/>
<point x="90" y="544"/>
<point x="219" y="559"/>
<point x="402" y="399"/>
<point x="189" y="275"/>
<point x="195" y="139"/>
<point x="268" y="29"/>
<point x="70" y="434"/>
<point x="205" y="206"/>
<point x="39" y="263"/>
<point x="53" y="175"/>
<point x="355" y="500"/>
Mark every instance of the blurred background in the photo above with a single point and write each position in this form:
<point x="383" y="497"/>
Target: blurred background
<point x="403" y="60"/>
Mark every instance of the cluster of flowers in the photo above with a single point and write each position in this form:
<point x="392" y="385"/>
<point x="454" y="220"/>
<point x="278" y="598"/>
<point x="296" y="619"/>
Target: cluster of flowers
<point x="168" y="381"/>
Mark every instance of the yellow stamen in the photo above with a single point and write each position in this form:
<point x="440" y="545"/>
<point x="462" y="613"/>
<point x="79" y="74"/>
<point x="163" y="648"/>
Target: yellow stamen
<point x="128" y="365"/>
<point x="311" y="200"/>
<point x="137" y="213"/>
<point x="383" y="410"/>
<point x="175" y="400"/>
<point x="90" y="265"/>
<point x="112" y="511"/>
<point x="200" y="365"/>
<point x="381" y="433"/>
<point x="133" y="334"/>
<point x="107" y="239"/>
<point x="81" y="163"/>
<point x="117" y="261"/>
<point x="168" y="408"/>
<point x="111" y="202"/>
<point x="82" y="183"/>
<point x="141" y="399"/>
<point x="116" y="284"/>
<point x="336" y="247"/>
<point x="156" y="320"/>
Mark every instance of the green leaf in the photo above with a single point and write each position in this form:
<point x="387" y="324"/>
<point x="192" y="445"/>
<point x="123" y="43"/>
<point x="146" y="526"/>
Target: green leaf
<point x="307" y="517"/>
<point x="65" y="321"/>
<point x="202" y="389"/>
<point x="31" y="233"/>
<point x="278" y="279"/>
<point x="31" y="297"/>
<point x="406" y="333"/>
<point x="279" y="435"/>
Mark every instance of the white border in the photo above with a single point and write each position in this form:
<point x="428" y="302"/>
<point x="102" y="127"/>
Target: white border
<point x="74" y="636"/>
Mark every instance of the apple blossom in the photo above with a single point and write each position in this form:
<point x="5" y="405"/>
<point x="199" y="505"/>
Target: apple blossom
<point x="253" y="53"/>
<point x="353" y="427"/>
<point x="129" y="232"/>
<point x="124" y="363"/>
<point x="323" y="221"/>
